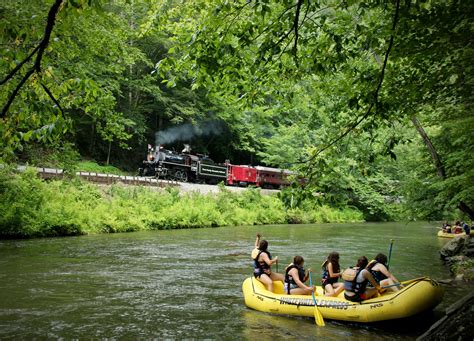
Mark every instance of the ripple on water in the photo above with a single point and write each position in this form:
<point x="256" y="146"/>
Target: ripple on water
<point x="186" y="283"/>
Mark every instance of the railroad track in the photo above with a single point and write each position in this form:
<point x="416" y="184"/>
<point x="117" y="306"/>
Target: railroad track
<point x="109" y="179"/>
<point x="54" y="173"/>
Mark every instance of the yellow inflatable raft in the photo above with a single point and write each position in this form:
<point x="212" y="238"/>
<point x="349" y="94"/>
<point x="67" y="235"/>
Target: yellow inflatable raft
<point x="416" y="296"/>
<point x="442" y="234"/>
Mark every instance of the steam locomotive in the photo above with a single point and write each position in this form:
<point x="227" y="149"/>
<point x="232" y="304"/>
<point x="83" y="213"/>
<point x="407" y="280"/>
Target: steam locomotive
<point x="166" y="164"/>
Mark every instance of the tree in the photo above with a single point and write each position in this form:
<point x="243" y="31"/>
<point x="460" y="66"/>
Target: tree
<point x="387" y="59"/>
<point x="56" y="73"/>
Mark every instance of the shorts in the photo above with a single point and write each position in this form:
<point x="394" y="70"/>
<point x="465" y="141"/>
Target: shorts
<point x="257" y="273"/>
<point x="292" y="286"/>
<point x="328" y="281"/>
<point x="356" y="298"/>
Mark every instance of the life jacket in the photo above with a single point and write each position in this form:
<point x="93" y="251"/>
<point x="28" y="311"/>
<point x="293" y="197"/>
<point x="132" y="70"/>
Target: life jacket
<point x="466" y="228"/>
<point x="350" y="280"/>
<point x="377" y="275"/>
<point x="325" y="279"/>
<point x="261" y="267"/>
<point x="289" y="279"/>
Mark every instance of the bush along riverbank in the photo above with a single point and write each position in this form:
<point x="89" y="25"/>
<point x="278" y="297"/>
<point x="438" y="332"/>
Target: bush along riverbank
<point x="31" y="207"/>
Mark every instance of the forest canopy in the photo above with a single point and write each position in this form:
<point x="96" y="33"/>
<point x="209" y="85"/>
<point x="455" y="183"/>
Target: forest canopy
<point x="370" y="101"/>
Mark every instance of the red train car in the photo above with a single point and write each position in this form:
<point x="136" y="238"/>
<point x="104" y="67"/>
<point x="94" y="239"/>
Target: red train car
<point x="268" y="177"/>
<point x="241" y="175"/>
<point x="265" y="177"/>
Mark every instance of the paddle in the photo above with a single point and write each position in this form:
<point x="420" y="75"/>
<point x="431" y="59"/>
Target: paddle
<point x="391" y="285"/>
<point x="390" y="253"/>
<point x="318" y="318"/>
<point x="403" y="283"/>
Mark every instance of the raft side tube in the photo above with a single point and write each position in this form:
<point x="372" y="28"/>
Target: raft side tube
<point x="417" y="296"/>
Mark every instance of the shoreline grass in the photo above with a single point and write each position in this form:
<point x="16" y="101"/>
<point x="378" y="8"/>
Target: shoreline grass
<point x="31" y="207"/>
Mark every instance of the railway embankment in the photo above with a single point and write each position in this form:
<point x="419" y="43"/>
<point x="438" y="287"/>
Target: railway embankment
<point x="152" y="182"/>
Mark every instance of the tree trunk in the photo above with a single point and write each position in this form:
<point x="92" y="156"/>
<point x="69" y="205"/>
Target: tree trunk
<point x="434" y="155"/>
<point x="92" y="140"/>
<point x="438" y="164"/>
<point x="108" y="153"/>
<point x="466" y="209"/>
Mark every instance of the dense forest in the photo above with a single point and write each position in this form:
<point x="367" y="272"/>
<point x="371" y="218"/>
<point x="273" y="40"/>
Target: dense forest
<point x="371" y="101"/>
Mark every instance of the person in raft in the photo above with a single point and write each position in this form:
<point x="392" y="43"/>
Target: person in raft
<point x="295" y="276"/>
<point x="379" y="271"/>
<point x="331" y="274"/>
<point x="262" y="264"/>
<point x="356" y="280"/>
<point x="466" y="228"/>
<point x="446" y="227"/>
<point x="457" y="227"/>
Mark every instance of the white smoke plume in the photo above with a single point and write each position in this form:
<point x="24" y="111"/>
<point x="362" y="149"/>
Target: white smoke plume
<point x="187" y="131"/>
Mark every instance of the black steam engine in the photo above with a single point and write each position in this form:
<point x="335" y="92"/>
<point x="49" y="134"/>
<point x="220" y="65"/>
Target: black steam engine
<point x="166" y="164"/>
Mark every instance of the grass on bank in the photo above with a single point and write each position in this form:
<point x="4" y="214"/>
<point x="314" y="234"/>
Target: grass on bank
<point x="94" y="167"/>
<point x="31" y="207"/>
<point x="464" y="268"/>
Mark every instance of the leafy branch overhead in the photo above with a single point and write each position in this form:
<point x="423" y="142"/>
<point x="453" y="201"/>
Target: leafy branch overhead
<point x="241" y="53"/>
<point x="36" y="68"/>
<point x="370" y="101"/>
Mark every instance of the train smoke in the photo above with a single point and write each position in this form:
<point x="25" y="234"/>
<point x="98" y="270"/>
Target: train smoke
<point x="187" y="131"/>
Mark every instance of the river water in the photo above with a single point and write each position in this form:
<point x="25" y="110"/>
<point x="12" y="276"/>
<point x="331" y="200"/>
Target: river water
<point x="187" y="283"/>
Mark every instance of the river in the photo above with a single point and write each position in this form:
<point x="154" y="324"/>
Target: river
<point x="187" y="283"/>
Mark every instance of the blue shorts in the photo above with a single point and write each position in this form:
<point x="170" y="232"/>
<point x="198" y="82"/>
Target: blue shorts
<point x="257" y="273"/>
<point x="291" y="286"/>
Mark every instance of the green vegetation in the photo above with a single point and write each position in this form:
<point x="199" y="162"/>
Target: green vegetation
<point x="370" y="101"/>
<point x="94" y="167"/>
<point x="464" y="268"/>
<point x="31" y="207"/>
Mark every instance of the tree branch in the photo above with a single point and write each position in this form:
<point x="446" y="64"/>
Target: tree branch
<point x="39" y="50"/>
<point x="15" y="92"/>
<point x="18" y="67"/>
<point x="47" y="33"/>
<point x="376" y="92"/>
<point x="268" y="27"/>
<point x="238" y="10"/>
<point x="295" y="26"/>
<point x="52" y="97"/>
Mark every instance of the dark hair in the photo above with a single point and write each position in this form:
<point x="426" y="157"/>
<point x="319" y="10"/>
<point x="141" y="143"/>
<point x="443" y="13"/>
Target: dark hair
<point x="381" y="258"/>
<point x="362" y="262"/>
<point x="333" y="258"/>
<point x="263" y="245"/>
<point x="298" y="260"/>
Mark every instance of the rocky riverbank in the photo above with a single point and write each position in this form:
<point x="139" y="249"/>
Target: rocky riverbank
<point x="457" y="324"/>
<point x="458" y="254"/>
